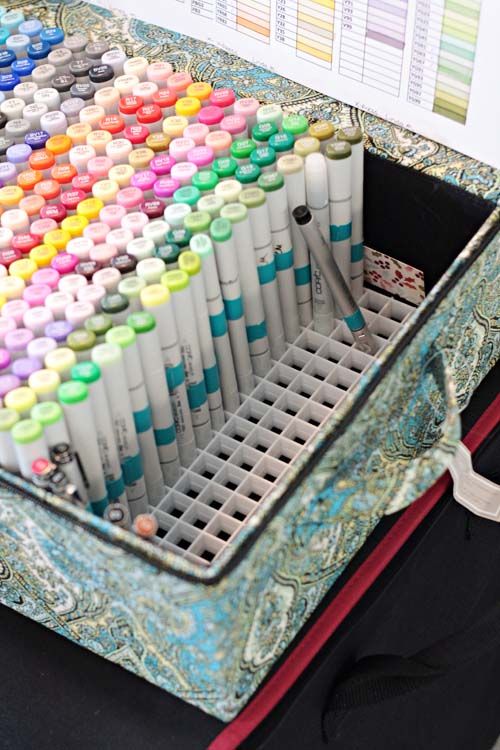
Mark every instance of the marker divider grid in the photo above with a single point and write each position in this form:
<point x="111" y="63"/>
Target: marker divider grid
<point x="217" y="495"/>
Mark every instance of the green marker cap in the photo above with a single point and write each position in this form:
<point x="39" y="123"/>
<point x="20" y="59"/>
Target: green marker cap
<point x="270" y="113"/>
<point x="141" y="321"/>
<point x="180" y="236"/>
<point x="201" y="244"/>
<point x="351" y="134"/>
<point x="247" y="173"/>
<point x="204" y="181"/>
<point x="282" y="142"/>
<point x="220" y="230"/>
<point x="263" y="131"/>
<point x="252" y="197"/>
<point x="270" y="181"/>
<point x="338" y="150"/>
<point x="122" y="336"/>
<point x="26" y="431"/>
<point x="175" y="281"/>
<point x="190" y="263"/>
<point x="187" y="194"/>
<point x="198" y="221"/>
<point x="114" y="303"/>
<point x="212" y="204"/>
<point x="73" y="391"/>
<point x="295" y="124"/>
<point x="168" y="253"/>
<point x="243" y="148"/>
<point x="8" y="418"/>
<point x="80" y="340"/>
<point x="47" y="413"/>
<point x="99" y="323"/>
<point x="224" y="166"/>
<point x="234" y="212"/>
<point x="107" y="354"/>
<point x="86" y="372"/>
<point x="263" y="156"/>
<point x="131" y="286"/>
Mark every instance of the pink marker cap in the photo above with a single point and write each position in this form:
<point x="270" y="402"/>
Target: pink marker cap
<point x="159" y="72"/>
<point x="197" y="131"/>
<point x="71" y="198"/>
<point x="129" y="197"/>
<point x="4" y="360"/>
<point x="120" y="238"/>
<point x="246" y="107"/>
<point x="64" y="263"/>
<point x="36" y="318"/>
<point x="180" y="147"/>
<point x="92" y="293"/>
<point x="109" y="278"/>
<point x="184" y="172"/>
<point x="80" y="246"/>
<point x="219" y="140"/>
<point x="144" y="180"/>
<point x="162" y="164"/>
<point x="234" y="124"/>
<point x="135" y="222"/>
<point x="97" y="232"/>
<point x="210" y="116"/>
<point x="103" y="253"/>
<point x="202" y="156"/>
<point x="78" y="312"/>
<point x="222" y="98"/>
<point x="47" y="276"/>
<point x="15" y="308"/>
<point x="112" y="215"/>
<point x="35" y="294"/>
<point x="57" y="303"/>
<point x="40" y="227"/>
<point x="178" y="82"/>
<point x="165" y="187"/>
<point x="99" y="167"/>
<point x="6" y="325"/>
<point x="71" y="283"/>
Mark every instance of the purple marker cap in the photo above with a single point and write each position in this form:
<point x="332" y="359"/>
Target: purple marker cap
<point x="17" y="341"/>
<point x="64" y="263"/>
<point x="19" y="153"/>
<point x="58" y="330"/>
<point x="162" y="164"/>
<point x="40" y="347"/>
<point x="165" y="187"/>
<point x="47" y="276"/>
<point x="8" y="383"/>
<point x="36" y="139"/>
<point x="36" y="318"/>
<point x="6" y="325"/>
<point x="8" y="171"/>
<point x="4" y="359"/>
<point x="144" y="180"/>
<point x="26" y="366"/>
<point x="35" y="294"/>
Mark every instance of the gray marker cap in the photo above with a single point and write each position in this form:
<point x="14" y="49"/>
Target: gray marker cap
<point x="71" y="108"/>
<point x="76" y="43"/>
<point x="95" y="50"/>
<point x="17" y="129"/>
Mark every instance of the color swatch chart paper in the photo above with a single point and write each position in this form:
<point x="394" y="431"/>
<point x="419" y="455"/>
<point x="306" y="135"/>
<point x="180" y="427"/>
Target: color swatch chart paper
<point x="428" y="65"/>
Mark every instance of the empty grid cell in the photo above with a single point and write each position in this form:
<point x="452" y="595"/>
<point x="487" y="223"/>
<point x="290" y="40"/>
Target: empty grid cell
<point x="373" y="301"/>
<point x="237" y="429"/>
<point x="310" y="341"/>
<point x="281" y="375"/>
<point x="260" y="439"/>
<point x="268" y="393"/>
<point x="318" y="368"/>
<point x="295" y="358"/>
<point x="230" y="477"/>
<point x="207" y="465"/>
<point x="334" y="351"/>
<point x="182" y="536"/>
<point x="239" y="508"/>
<point x="270" y="469"/>
<point x="384" y="328"/>
<point x="304" y="385"/>
<point x="175" y="504"/>
<point x="275" y="421"/>
<point x="291" y="403"/>
<point x="246" y="458"/>
<point x="356" y="361"/>
<point x="198" y="515"/>
<point x="252" y="411"/>
<point x="343" y="378"/>
<point x="165" y="523"/>
<point x="329" y="396"/>
<point x="284" y="450"/>
<point x="222" y="447"/>
<point x="314" y="414"/>
<point x="254" y="488"/>
<point x="214" y="496"/>
<point x="207" y="547"/>
<point x="222" y="527"/>
<point x="396" y="310"/>
<point x="191" y="485"/>
<point x="299" y="432"/>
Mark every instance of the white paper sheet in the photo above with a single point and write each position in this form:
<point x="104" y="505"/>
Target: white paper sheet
<point x="432" y="66"/>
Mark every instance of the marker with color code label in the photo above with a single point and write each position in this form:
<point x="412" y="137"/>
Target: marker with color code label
<point x="338" y="167"/>
<point x="29" y="444"/>
<point x="45" y="384"/>
<point x="354" y="136"/>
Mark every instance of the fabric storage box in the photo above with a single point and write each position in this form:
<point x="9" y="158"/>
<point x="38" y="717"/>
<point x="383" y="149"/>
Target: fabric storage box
<point x="210" y="633"/>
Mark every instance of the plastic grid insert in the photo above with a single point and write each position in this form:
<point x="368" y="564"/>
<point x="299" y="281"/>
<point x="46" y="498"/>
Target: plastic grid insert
<point x="202" y="513"/>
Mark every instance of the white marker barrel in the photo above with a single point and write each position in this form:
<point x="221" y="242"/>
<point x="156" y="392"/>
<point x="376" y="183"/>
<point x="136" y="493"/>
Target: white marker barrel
<point x="202" y="246"/>
<point x="255" y="201"/>
<point x="273" y="184"/>
<point x="317" y="200"/>
<point x="29" y="444"/>
<point x="124" y="337"/>
<point x="90" y="374"/>
<point x="227" y="266"/>
<point x="354" y="136"/>
<point x="191" y="263"/>
<point x="8" y="457"/>
<point x="144" y="325"/>
<point x="338" y="165"/>
<point x="109" y="358"/>
<point x="74" y="398"/>
<point x="177" y="283"/>
<point x="253" y="305"/>
<point x="156" y="300"/>
<point x="131" y="288"/>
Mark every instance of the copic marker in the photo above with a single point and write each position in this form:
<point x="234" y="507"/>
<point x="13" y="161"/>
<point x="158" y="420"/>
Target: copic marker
<point x="116" y="59"/>
<point x="201" y="156"/>
<point x="316" y="180"/>
<point x="224" y="98"/>
<point x="305" y="146"/>
<point x="71" y="108"/>
<point x="162" y="164"/>
<point x="32" y="28"/>
<point x="220" y="143"/>
<point x="12" y="287"/>
<point x="116" y="306"/>
<point x="247" y="174"/>
<point x="151" y="270"/>
<point x="224" y="167"/>
<point x="211" y="117"/>
<point x="141" y="248"/>
<point x="135" y="222"/>
<point x="24" y="367"/>
<point x="76" y="314"/>
<point x="22" y="399"/>
<point x="144" y="180"/>
<point x="64" y="263"/>
<point x="8" y="458"/>
<point x="101" y="76"/>
<point x="17" y="130"/>
<point x="17" y="45"/>
<point x="97" y="232"/>
<point x="96" y="49"/>
<point x="270" y="113"/>
<point x="109" y="278"/>
<point x="145" y="526"/>
<point x="165" y="100"/>
<point x="159" y="72"/>
<point x="184" y="172"/>
<point x="29" y="444"/>
<point x="55" y="123"/>
<point x="76" y="44"/>
<point x="23" y="69"/>
<point x="210" y="204"/>
<point x="131" y="288"/>
<point x="16" y="220"/>
<point x="188" y="195"/>
<point x="13" y="108"/>
<point x="44" y="383"/>
<point x="136" y="66"/>
<point x="81" y="343"/>
<point x="79" y="68"/>
<point x="124" y="84"/>
<point x="84" y="182"/>
<point x="8" y="383"/>
<point x="15" y="309"/>
<point x="49" y="190"/>
<point x="71" y="283"/>
<point x="99" y="139"/>
<point x="165" y="187"/>
<point x="35" y="295"/>
<point x="178" y="82"/>
<point x="75" y="401"/>
<point x="236" y="126"/>
<point x="157" y="142"/>
<point x="170" y="252"/>
<point x="112" y="215"/>
<point x="16" y="342"/>
<point x="242" y="149"/>
<point x="255" y="201"/>
<point x="202" y="246"/>
<point x="197" y="132"/>
<point x="53" y="35"/>
<point x="57" y="302"/>
<point x="145" y="90"/>
<point x="24" y="269"/>
<point x="205" y="181"/>
<point x="128" y="106"/>
<point x="338" y="167"/>
<point x="45" y="276"/>
<point x="41" y="346"/>
<point x="247" y="107"/>
<point x="119" y="238"/>
<point x="141" y="158"/>
<point x="75" y="225"/>
<point x="262" y="132"/>
<point x="32" y="204"/>
<point x="324" y="131"/>
<point x="354" y="136"/>
<point x="136" y="134"/>
<point x="5" y="361"/>
<point x="153" y="208"/>
<point x="109" y="99"/>
<point x="99" y="324"/>
<point x="78" y="133"/>
<point x="59" y="330"/>
<point x="8" y="174"/>
<point x="6" y="325"/>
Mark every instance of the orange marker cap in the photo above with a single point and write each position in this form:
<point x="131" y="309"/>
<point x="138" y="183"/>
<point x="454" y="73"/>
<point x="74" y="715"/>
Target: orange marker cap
<point x="63" y="173"/>
<point x="28" y="178"/>
<point x="48" y="189"/>
<point x="59" y="144"/>
<point x="32" y="204"/>
<point x="41" y="160"/>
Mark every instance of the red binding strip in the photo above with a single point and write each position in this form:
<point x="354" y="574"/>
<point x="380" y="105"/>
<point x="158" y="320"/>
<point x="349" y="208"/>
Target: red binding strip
<point x="338" y="609"/>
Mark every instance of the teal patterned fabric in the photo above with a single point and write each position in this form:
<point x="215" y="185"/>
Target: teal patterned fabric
<point x="211" y="635"/>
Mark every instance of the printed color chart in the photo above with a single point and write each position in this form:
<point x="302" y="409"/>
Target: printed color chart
<point x="428" y="65"/>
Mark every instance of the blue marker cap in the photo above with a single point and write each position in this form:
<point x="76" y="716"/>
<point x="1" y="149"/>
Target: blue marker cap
<point x="8" y="81"/>
<point x="38" y="50"/>
<point x="32" y="27"/>
<point x="36" y="139"/>
<point x="19" y="153"/>
<point x="23" y="68"/>
<point x="52" y="35"/>
<point x="7" y="57"/>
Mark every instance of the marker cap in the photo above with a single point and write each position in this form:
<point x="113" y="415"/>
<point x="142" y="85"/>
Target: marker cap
<point x="263" y="156"/>
<point x="159" y="72"/>
<point x="174" y="126"/>
<point x="131" y="287"/>
<point x="222" y="97"/>
<point x="59" y="330"/>
<point x="154" y="295"/>
<point x="322" y="130"/>
<point x="90" y="208"/>
<point x="8" y="418"/>
<point x="122" y="174"/>
<point x="234" y="212"/>
<point x="316" y="180"/>
<point x="95" y="50"/>
<point x="290" y="164"/>
<point x="179" y="81"/>
<point x="24" y="269"/>
<point x="47" y="413"/>
<point x="20" y="399"/>
<point x="190" y="263"/>
<point x="26" y="431"/>
<point x="25" y="366"/>
<point x="150" y="269"/>
<point x="124" y="263"/>
<point x="64" y="175"/>
<point x="72" y="392"/>
<point x="145" y="525"/>
<point x="220" y="230"/>
<point x="270" y="181"/>
<point x="352" y="134"/>
<point x="224" y="167"/>
<point x="243" y="148"/>
<point x="153" y="208"/>
<point x="162" y="164"/>
<point x="8" y="383"/>
<point x="252" y="197"/>
<point x="201" y="244"/>
<point x="61" y="360"/>
<point x="99" y="324"/>
<point x="157" y="142"/>
<point x="81" y="340"/>
<point x="74" y="225"/>
<point x="305" y="146"/>
<point x="114" y="303"/>
<point x="263" y="131"/>
<point x="140" y="158"/>
<point x="204" y="181"/>
<point x="198" y="221"/>
<point x="86" y="372"/>
<point x="247" y="173"/>
<point x="187" y="194"/>
<point x="170" y="252"/>
<point x="58" y="144"/>
<point x="211" y="116"/>
<point x="338" y="150"/>
<point x="295" y="124"/>
<point x="44" y="381"/>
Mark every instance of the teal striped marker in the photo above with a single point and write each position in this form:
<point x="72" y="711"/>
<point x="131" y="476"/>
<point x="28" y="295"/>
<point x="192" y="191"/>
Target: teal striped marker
<point x="338" y="166"/>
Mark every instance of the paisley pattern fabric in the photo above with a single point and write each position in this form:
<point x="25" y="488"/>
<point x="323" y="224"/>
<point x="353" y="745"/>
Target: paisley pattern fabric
<point x="211" y="635"/>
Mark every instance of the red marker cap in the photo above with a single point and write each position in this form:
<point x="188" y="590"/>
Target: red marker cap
<point x="54" y="211"/>
<point x="113" y="124"/>
<point x="148" y="114"/>
<point x="153" y="208"/>
<point x="24" y="242"/>
<point x="136" y="134"/>
<point x="8" y="255"/>
<point x="164" y="98"/>
<point x="128" y="105"/>
<point x="84" y="182"/>
<point x="41" y="466"/>
<point x="71" y="198"/>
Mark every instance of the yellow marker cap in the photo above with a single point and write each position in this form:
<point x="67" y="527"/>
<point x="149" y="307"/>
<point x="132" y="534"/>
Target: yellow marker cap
<point x="23" y="268"/>
<point x="174" y="126"/>
<point x="104" y="191"/>
<point x="78" y="133"/>
<point x="10" y="195"/>
<point x="74" y="225"/>
<point x="21" y="399"/>
<point x="43" y="382"/>
<point x="121" y="174"/>
<point x="58" y="144"/>
<point x="139" y="158"/>
<point x="12" y="287"/>
<point x="188" y="106"/>
<point x="154" y="295"/>
<point x="99" y="139"/>
<point x="305" y="146"/>
<point x="61" y="360"/>
<point x="200" y="90"/>
<point x="322" y="130"/>
<point x="89" y="209"/>
<point x="42" y="255"/>
<point x="57" y="238"/>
